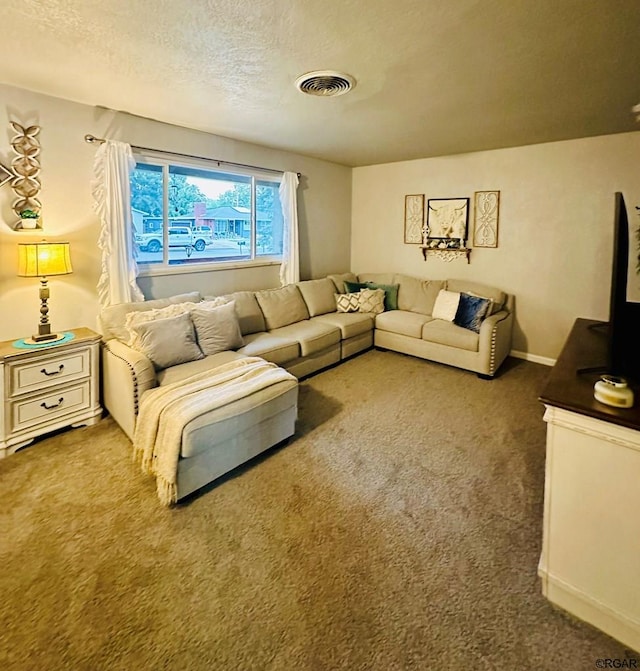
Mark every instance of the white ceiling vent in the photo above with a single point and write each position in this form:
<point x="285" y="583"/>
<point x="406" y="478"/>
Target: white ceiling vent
<point x="325" y="83"/>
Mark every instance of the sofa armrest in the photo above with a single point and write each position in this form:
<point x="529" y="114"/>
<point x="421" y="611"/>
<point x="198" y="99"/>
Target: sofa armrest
<point x="495" y="339"/>
<point x="126" y="375"/>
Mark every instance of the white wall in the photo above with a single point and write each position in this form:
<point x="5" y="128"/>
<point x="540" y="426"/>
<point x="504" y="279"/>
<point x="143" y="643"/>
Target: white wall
<point x="556" y="226"/>
<point x="324" y="199"/>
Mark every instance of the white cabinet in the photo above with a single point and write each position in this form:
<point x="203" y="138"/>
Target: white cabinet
<point x="48" y="388"/>
<point x="590" y="561"/>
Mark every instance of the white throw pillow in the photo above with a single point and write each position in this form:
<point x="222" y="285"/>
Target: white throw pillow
<point x="371" y="300"/>
<point x="446" y="305"/>
<point x="168" y="342"/>
<point x="217" y="329"/>
<point x="135" y="319"/>
<point x="347" y="302"/>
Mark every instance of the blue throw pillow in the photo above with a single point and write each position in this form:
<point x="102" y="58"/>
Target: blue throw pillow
<point x="471" y="311"/>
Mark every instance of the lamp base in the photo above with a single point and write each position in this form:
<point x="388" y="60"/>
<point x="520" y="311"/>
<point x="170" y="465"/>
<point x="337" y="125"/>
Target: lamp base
<point x="47" y="337"/>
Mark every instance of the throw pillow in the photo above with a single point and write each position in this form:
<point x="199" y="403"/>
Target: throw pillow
<point x="471" y="311"/>
<point x="134" y="319"/>
<point x="371" y="300"/>
<point x="446" y="305"/>
<point x="217" y="328"/>
<point x="347" y="302"/>
<point x="390" y="291"/>
<point x="168" y="342"/>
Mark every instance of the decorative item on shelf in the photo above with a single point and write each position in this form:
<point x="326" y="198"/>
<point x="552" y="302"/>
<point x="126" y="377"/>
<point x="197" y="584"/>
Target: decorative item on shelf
<point x="485" y="216"/>
<point x="43" y="259"/>
<point x="26" y="166"/>
<point x="613" y="390"/>
<point x="413" y="218"/>
<point x="445" y="233"/>
<point x="29" y="219"/>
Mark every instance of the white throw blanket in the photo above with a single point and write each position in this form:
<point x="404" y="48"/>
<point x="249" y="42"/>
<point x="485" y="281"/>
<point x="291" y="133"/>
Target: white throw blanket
<point x="165" y="411"/>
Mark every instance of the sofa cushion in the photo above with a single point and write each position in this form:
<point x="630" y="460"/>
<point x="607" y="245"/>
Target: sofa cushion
<point x="448" y="333"/>
<point x="446" y="305"/>
<point x="339" y="281"/>
<point x="476" y="289"/>
<point x="184" y="370"/>
<point x="313" y="336"/>
<point x="217" y="329"/>
<point x="168" y="342"/>
<point x="350" y="324"/>
<point x="402" y="322"/>
<point x="471" y="311"/>
<point x="318" y="295"/>
<point x="112" y="317"/>
<point x="277" y="349"/>
<point x="282" y="307"/>
<point x="417" y="295"/>
<point x="249" y="313"/>
<point x="378" y="278"/>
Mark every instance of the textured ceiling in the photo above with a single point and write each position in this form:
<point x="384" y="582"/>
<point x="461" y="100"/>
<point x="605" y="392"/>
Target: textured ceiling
<point x="434" y="77"/>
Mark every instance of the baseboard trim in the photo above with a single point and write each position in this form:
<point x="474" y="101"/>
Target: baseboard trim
<point x="622" y="627"/>
<point x="544" y="360"/>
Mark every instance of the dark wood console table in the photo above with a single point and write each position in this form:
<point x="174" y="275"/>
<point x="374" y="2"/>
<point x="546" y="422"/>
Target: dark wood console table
<point x="586" y="347"/>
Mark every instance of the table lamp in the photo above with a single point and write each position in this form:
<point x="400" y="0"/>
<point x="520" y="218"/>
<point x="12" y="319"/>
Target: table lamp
<point x="43" y="259"/>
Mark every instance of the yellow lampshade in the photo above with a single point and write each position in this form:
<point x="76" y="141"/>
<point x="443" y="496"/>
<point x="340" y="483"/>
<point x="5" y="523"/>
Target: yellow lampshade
<point x="43" y="259"/>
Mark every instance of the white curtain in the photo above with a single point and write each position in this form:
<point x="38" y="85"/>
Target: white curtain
<point x="290" y="268"/>
<point x="112" y="199"/>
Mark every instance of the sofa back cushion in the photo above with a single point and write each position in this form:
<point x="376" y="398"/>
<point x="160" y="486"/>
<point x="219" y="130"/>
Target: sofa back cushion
<point x="497" y="296"/>
<point x="377" y="278"/>
<point x="318" y="295"/>
<point x="112" y="318"/>
<point x="339" y="281"/>
<point x="417" y="295"/>
<point x="282" y="307"/>
<point x="249" y="313"/>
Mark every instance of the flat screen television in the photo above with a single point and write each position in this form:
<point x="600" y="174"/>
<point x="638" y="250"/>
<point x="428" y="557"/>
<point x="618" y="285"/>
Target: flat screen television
<point x="623" y="332"/>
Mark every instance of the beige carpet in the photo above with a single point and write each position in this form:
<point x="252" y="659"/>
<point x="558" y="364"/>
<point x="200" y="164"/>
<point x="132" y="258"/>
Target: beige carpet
<point x="400" y="529"/>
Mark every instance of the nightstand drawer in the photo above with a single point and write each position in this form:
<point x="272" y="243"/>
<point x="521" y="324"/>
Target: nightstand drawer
<point x="47" y="371"/>
<point x="46" y="407"/>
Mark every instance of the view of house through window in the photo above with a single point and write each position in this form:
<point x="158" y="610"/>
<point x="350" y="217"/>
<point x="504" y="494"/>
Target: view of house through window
<point x="190" y="215"/>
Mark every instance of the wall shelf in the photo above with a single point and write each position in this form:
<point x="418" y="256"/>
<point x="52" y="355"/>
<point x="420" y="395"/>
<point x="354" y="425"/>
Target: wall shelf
<point x="446" y="254"/>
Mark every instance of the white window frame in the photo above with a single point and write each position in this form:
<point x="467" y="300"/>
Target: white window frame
<point x="165" y="160"/>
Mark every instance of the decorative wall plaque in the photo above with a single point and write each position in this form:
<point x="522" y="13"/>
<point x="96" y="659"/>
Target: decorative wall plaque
<point x="26" y="166"/>
<point x="413" y="218"/>
<point x="485" y="215"/>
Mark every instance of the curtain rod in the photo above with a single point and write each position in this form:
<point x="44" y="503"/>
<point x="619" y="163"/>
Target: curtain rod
<point x="92" y="139"/>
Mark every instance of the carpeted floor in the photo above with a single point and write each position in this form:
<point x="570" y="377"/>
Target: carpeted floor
<point x="399" y="529"/>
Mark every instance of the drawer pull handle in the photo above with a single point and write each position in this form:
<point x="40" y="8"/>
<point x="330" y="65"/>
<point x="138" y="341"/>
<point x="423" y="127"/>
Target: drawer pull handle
<point x="51" y="407"/>
<point x="53" y="372"/>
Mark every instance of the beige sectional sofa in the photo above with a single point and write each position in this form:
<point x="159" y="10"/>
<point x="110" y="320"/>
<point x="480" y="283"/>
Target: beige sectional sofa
<point x="297" y="328"/>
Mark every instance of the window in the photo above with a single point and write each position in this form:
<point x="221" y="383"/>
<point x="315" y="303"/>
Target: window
<point x="187" y="214"/>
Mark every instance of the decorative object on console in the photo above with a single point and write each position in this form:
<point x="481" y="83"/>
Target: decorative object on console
<point x="445" y="235"/>
<point x="486" y="212"/>
<point x="413" y="219"/>
<point x="614" y="391"/>
<point x="26" y="166"/>
<point x="43" y="259"/>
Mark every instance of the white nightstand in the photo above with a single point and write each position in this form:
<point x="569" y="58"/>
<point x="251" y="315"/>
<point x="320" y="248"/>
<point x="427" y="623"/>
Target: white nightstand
<point x="48" y="388"/>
